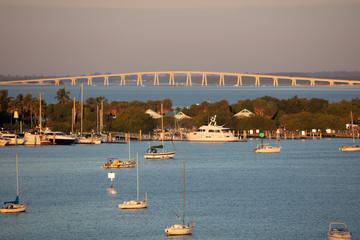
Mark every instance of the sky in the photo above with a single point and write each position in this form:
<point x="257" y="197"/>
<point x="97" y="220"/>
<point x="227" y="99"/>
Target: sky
<point x="75" y="37"/>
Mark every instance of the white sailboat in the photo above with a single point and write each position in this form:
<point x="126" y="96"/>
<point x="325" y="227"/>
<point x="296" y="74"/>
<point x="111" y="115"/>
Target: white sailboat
<point x="14" y="206"/>
<point x="180" y="229"/>
<point x="159" y="152"/>
<point x="135" y="204"/>
<point x="351" y="147"/>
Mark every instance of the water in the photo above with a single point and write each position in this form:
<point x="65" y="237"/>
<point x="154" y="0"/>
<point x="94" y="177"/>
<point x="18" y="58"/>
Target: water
<point x="232" y="193"/>
<point x="182" y="96"/>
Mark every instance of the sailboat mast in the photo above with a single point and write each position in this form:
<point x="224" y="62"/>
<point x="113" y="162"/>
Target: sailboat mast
<point x="184" y="198"/>
<point x="137" y="176"/>
<point x="40" y="114"/>
<point x="73" y="117"/>
<point x="352" y="127"/>
<point x="162" y="127"/>
<point x="17" y="176"/>
<point x="82" y="109"/>
<point x="129" y="147"/>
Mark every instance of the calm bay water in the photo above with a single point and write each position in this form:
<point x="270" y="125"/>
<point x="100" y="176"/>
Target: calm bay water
<point x="182" y="96"/>
<point x="232" y="193"/>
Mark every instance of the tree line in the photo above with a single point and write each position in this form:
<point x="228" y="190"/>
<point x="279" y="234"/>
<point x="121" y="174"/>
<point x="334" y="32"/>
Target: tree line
<point x="122" y="116"/>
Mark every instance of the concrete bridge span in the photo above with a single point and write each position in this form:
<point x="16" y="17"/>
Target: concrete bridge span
<point x="172" y="75"/>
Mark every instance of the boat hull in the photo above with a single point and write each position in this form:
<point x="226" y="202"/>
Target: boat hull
<point x="330" y="236"/>
<point x="350" y="149"/>
<point x="133" y="205"/>
<point x="179" y="229"/>
<point x="191" y="137"/>
<point x="263" y="150"/>
<point x="3" y="142"/>
<point x="16" y="208"/>
<point x="159" y="155"/>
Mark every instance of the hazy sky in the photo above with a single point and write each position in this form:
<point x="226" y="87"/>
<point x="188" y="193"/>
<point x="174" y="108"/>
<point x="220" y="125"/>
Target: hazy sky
<point x="73" y="37"/>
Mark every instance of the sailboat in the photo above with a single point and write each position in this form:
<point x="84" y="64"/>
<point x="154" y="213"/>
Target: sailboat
<point x="118" y="163"/>
<point x="352" y="147"/>
<point x="180" y="229"/>
<point x="135" y="204"/>
<point x="85" y="138"/>
<point x="14" y="206"/>
<point x="159" y="152"/>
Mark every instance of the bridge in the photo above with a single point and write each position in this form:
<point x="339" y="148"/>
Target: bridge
<point x="255" y="79"/>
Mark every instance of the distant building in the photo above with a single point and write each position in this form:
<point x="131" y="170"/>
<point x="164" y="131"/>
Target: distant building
<point x="176" y="114"/>
<point x="244" y="113"/>
<point x="153" y="114"/>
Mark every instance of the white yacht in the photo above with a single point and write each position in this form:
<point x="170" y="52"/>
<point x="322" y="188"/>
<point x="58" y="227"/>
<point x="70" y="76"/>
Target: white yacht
<point x="211" y="133"/>
<point x="12" y="138"/>
<point x="59" y="138"/>
<point x="338" y="231"/>
<point x="88" y="139"/>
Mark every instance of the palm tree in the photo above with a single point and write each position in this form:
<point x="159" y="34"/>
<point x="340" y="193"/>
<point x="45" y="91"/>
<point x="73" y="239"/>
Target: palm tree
<point x="62" y="96"/>
<point x="29" y="106"/>
<point x="4" y="99"/>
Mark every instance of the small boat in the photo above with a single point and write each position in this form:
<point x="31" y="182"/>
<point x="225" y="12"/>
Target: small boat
<point x="135" y="204"/>
<point x="338" y="231"/>
<point x="117" y="163"/>
<point x="265" y="148"/>
<point x="180" y="229"/>
<point x="211" y="133"/>
<point x="88" y="139"/>
<point x="14" y="206"/>
<point x="12" y="138"/>
<point x="152" y="153"/>
<point x="351" y="147"/>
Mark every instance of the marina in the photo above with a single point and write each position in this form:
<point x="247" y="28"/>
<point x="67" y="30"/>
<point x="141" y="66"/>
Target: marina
<point x="301" y="187"/>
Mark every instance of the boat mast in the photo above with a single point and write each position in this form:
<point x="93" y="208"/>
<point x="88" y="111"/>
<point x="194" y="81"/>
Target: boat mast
<point x="17" y="176"/>
<point x="183" y="219"/>
<point x="82" y="109"/>
<point x="40" y="114"/>
<point x="162" y="128"/>
<point x="137" y="176"/>
<point x="352" y="127"/>
<point x="129" y="147"/>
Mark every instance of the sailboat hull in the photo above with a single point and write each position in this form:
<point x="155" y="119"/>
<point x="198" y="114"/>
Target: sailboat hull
<point x="350" y="149"/>
<point x="159" y="155"/>
<point x="133" y="205"/>
<point x="179" y="229"/>
<point x="15" y="208"/>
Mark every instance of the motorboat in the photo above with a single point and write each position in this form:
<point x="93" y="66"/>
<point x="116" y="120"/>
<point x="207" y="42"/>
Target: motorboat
<point x="158" y="152"/>
<point x="265" y="148"/>
<point x="338" y="231"/>
<point x="211" y="133"/>
<point x="12" y="138"/>
<point x="88" y="139"/>
<point x="59" y="138"/>
<point x="14" y="206"/>
<point x="351" y="147"/>
<point x="135" y="204"/>
<point x="180" y="229"/>
<point x="116" y="163"/>
<point x="34" y="138"/>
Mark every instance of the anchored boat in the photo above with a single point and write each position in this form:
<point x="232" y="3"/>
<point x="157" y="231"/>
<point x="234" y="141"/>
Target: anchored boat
<point x="338" y="231"/>
<point x="14" y="206"/>
<point x="180" y="229"/>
